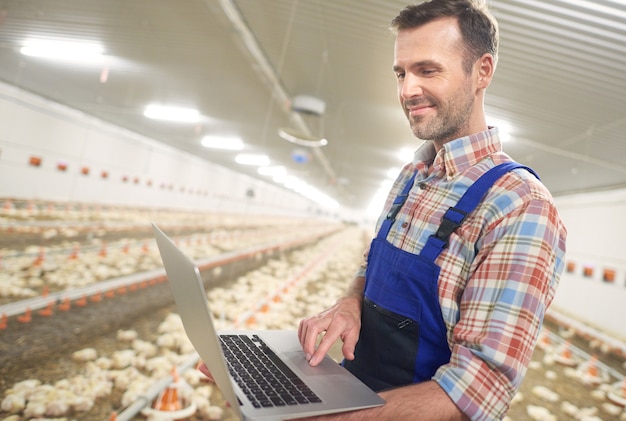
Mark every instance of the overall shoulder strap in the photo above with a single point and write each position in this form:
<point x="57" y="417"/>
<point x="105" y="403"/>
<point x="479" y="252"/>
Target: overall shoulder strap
<point x="395" y="208"/>
<point x="455" y="215"/>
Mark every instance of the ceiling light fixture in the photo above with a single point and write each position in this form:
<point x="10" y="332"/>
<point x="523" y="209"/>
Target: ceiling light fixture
<point x="222" y="142"/>
<point x="504" y="128"/>
<point x="377" y="202"/>
<point x="280" y="178"/>
<point x="392" y="173"/>
<point x="304" y="105"/>
<point x="279" y="175"/>
<point x="301" y="187"/>
<point x="172" y="113"/>
<point x="272" y="171"/>
<point x="72" y="51"/>
<point x="301" y="138"/>
<point x="406" y="154"/>
<point x="252" y="159"/>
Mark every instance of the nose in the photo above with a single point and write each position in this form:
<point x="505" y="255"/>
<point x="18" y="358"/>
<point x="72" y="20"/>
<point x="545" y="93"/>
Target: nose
<point x="410" y="86"/>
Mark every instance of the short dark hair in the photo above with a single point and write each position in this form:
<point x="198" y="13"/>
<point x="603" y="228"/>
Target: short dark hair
<point x="478" y="26"/>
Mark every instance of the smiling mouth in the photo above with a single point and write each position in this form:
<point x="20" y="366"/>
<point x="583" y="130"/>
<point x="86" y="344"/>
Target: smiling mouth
<point x="419" y="110"/>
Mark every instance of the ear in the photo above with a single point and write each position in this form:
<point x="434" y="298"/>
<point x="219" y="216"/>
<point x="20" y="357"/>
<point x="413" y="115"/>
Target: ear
<point x="485" y="67"/>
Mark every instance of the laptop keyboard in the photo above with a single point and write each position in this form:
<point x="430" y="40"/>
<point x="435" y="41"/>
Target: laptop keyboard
<point x="262" y="376"/>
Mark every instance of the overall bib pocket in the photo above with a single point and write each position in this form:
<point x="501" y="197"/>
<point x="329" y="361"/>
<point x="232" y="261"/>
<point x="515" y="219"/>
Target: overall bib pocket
<point x="386" y="353"/>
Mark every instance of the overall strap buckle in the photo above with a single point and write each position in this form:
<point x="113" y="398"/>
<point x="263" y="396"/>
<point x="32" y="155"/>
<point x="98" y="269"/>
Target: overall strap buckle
<point x="395" y="208"/>
<point x="452" y="219"/>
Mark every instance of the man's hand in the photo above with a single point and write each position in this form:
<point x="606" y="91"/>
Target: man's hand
<point x="342" y="320"/>
<point x="205" y="370"/>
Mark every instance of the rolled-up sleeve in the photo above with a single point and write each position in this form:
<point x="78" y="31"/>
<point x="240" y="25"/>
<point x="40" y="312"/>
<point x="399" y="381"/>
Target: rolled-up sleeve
<point x="513" y="279"/>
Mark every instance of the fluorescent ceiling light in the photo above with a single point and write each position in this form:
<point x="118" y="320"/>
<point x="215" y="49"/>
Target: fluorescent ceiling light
<point x="504" y="128"/>
<point x="172" y="113"/>
<point x="378" y="201"/>
<point x="294" y="183"/>
<point x="317" y="196"/>
<point x="280" y="178"/>
<point x="273" y="171"/>
<point x="222" y="142"/>
<point x="406" y="154"/>
<point x="72" y="51"/>
<point x="301" y="187"/>
<point x="386" y="186"/>
<point x="310" y="192"/>
<point x="252" y="159"/>
<point x="393" y="173"/>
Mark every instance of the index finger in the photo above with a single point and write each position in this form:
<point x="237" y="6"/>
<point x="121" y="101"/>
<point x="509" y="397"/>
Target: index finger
<point x="328" y="339"/>
<point x="308" y="333"/>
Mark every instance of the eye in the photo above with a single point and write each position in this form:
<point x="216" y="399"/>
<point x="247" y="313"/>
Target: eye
<point x="400" y="75"/>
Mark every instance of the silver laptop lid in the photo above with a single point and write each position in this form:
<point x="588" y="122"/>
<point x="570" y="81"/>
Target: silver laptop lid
<point x="200" y="330"/>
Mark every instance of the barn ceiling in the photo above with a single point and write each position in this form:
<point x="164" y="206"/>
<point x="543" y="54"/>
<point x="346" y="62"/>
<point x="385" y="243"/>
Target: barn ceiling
<point x="560" y="86"/>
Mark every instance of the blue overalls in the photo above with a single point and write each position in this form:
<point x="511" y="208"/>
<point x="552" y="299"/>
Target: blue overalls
<point x="403" y="337"/>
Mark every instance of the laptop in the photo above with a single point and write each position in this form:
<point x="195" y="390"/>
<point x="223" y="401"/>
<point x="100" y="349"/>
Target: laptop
<point x="295" y="388"/>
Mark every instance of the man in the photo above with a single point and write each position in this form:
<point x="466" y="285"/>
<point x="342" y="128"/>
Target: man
<point x="447" y="335"/>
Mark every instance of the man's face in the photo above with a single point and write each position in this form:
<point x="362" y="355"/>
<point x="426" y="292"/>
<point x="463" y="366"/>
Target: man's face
<point x="437" y="96"/>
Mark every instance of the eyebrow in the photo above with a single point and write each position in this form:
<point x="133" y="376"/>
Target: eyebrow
<point x="423" y="63"/>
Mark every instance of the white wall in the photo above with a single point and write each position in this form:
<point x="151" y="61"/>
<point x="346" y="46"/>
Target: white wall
<point x="166" y="177"/>
<point x="596" y="224"/>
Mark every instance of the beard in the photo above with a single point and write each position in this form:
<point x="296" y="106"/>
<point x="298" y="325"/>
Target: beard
<point x="451" y="120"/>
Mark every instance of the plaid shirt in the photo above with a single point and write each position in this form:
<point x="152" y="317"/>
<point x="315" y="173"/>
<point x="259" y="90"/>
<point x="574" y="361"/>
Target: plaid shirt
<point x="499" y="273"/>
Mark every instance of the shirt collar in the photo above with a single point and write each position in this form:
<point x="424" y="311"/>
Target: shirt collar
<point x="460" y="154"/>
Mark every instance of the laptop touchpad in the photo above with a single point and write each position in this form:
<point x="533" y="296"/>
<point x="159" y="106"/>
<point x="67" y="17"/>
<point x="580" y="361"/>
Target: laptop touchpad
<point x="326" y="367"/>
